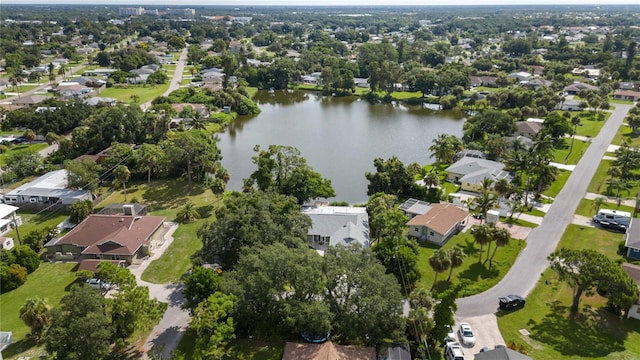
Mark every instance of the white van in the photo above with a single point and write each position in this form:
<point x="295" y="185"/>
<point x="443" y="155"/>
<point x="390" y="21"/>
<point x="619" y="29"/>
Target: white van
<point x="612" y="216"/>
<point x="453" y="351"/>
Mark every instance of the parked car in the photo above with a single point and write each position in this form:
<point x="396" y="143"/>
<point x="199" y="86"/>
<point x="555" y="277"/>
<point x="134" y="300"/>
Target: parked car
<point x="453" y="351"/>
<point x="451" y="336"/>
<point x="466" y="334"/>
<point x="511" y="302"/>
<point x="621" y="228"/>
<point x="99" y="284"/>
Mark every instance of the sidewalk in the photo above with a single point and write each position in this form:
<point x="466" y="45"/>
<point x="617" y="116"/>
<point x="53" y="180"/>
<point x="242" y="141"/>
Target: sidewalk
<point x="610" y="199"/>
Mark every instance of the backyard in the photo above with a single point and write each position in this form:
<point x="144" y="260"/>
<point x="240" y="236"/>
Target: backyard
<point x="143" y="92"/>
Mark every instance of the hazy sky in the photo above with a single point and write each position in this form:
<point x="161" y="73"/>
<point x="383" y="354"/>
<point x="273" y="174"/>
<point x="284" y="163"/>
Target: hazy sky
<point x="325" y="2"/>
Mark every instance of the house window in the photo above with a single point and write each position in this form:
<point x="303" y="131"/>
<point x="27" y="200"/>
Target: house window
<point x="430" y="233"/>
<point x="115" y="257"/>
<point x="635" y="250"/>
<point x="416" y="229"/>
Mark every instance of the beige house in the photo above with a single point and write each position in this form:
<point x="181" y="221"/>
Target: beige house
<point x="438" y="224"/>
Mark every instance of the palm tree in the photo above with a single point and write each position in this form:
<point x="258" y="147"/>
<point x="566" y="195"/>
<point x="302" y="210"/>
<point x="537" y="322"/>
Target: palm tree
<point x="486" y="185"/>
<point x="575" y="121"/>
<point x="634" y="122"/>
<point x="122" y="174"/>
<point x="29" y="135"/>
<point x="35" y="313"/>
<point x="482" y="236"/>
<point x="502" y="187"/>
<point x="444" y="148"/>
<point x="597" y="203"/>
<point x="198" y="122"/>
<point x="501" y="237"/>
<point x="627" y="159"/>
<point x="484" y="203"/>
<point x="456" y="258"/>
<point x="439" y="262"/>
<point x="188" y="213"/>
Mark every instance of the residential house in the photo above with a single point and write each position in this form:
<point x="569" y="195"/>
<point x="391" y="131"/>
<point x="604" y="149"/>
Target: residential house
<point x="528" y="129"/>
<point x="124" y="209"/>
<point x="73" y="90"/>
<point x="104" y="73"/>
<point x="634" y="273"/>
<point x="570" y="105"/>
<point x="501" y="353"/>
<point x="626" y="95"/>
<point x="198" y="108"/>
<point x="627" y="85"/>
<point x="576" y="87"/>
<point x="588" y="71"/>
<point x="97" y="100"/>
<point x="469" y="153"/>
<point x="488" y="81"/>
<point x="212" y="73"/>
<point x="326" y="351"/>
<point x="235" y="47"/>
<point x="632" y="239"/>
<point x="394" y="352"/>
<point x="8" y="218"/>
<point x="471" y="172"/>
<point x="361" y="83"/>
<point x="520" y="76"/>
<point x="29" y="100"/>
<point x="312" y="79"/>
<point x="413" y="207"/>
<point x="108" y="237"/>
<point x="438" y="223"/>
<point x="87" y="81"/>
<point x="47" y="190"/>
<point x="336" y="225"/>
<point x="539" y="83"/>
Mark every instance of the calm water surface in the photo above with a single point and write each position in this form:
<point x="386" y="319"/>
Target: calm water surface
<point x="339" y="137"/>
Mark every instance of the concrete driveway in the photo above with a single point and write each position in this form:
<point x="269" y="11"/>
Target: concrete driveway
<point x="485" y="330"/>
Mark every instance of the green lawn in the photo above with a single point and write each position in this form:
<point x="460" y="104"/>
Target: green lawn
<point x="590" y="123"/>
<point x="240" y="349"/>
<point x="252" y="91"/>
<point x="563" y="156"/>
<point x="585" y="208"/>
<point x="49" y="281"/>
<point x="480" y="276"/>
<point x="558" y="184"/>
<point x="166" y="198"/>
<point x="32" y="220"/>
<point x="625" y="134"/>
<point x="554" y="334"/>
<point x="20" y="148"/>
<point x="598" y="183"/>
<point x="145" y="92"/>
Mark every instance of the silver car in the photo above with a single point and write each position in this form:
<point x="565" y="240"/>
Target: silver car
<point x="466" y="334"/>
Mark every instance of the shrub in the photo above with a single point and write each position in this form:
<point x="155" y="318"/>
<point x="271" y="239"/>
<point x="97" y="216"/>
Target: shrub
<point x="26" y="258"/>
<point x="12" y="276"/>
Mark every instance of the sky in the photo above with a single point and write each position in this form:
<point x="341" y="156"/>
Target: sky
<point x="327" y="2"/>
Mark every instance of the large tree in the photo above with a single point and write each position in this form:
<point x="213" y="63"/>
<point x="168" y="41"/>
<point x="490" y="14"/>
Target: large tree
<point x="399" y="255"/>
<point x="201" y="283"/>
<point x="252" y="219"/>
<point x="80" y="328"/>
<point x="36" y="314"/>
<point x="283" y="169"/>
<point x="193" y="152"/>
<point x="391" y="177"/>
<point x="82" y="174"/>
<point x="214" y="325"/>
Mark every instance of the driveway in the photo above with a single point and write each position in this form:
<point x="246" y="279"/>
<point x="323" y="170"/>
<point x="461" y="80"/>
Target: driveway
<point x="485" y="330"/>
<point x="165" y="336"/>
<point x="542" y="241"/>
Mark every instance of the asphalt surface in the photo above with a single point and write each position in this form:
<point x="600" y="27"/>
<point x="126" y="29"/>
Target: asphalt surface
<point x="176" y="79"/>
<point x="542" y="241"/>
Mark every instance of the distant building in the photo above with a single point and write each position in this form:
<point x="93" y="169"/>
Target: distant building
<point x="185" y="13"/>
<point x="133" y="11"/>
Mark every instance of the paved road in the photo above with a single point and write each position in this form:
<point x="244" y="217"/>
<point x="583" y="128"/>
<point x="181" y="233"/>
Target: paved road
<point x="175" y="80"/>
<point x="542" y="241"/>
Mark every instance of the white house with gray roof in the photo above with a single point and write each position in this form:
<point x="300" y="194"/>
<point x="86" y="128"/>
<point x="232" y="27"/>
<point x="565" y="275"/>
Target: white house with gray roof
<point x="47" y="190"/>
<point x="337" y="225"/>
<point x="471" y="172"/>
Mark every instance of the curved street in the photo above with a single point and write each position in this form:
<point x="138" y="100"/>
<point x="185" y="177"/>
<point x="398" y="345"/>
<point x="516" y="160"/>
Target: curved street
<point x="542" y="241"/>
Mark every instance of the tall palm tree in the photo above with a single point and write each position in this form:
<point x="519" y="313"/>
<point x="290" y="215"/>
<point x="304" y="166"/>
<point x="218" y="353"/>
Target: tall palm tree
<point x="575" y="121"/>
<point x="597" y="203"/>
<point x="482" y="236"/>
<point x="456" y="258"/>
<point x="502" y="187"/>
<point x="501" y="237"/>
<point x="444" y="148"/>
<point x="122" y="174"/>
<point x="484" y="203"/>
<point x="439" y="262"/>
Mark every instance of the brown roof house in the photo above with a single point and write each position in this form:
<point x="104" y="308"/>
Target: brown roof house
<point x="438" y="223"/>
<point x="626" y="95"/>
<point x="327" y="351"/>
<point x="528" y="129"/>
<point x="634" y="273"/>
<point x="108" y="237"/>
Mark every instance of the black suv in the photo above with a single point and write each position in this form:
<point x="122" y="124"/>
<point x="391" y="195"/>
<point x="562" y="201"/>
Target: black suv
<point x="613" y="226"/>
<point x="511" y="302"/>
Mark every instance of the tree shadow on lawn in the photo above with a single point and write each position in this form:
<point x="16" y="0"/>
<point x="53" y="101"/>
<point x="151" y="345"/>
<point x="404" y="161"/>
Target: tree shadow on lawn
<point x="170" y="194"/>
<point x="478" y="271"/>
<point x="205" y="211"/>
<point x="591" y="333"/>
<point x="469" y="248"/>
<point x="19" y="347"/>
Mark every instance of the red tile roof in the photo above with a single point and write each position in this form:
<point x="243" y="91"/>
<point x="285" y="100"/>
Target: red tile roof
<point x="114" y="235"/>
<point x="441" y="218"/>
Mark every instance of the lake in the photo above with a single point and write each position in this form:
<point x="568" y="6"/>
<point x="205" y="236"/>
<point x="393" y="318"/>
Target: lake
<point x="339" y="136"/>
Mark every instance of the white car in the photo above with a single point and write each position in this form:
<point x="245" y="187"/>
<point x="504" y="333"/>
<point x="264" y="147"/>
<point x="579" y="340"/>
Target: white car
<point x="451" y="335"/>
<point x="466" y="335"/>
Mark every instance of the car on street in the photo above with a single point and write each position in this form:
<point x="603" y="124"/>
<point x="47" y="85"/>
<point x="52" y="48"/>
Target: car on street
<point x="511" y="302"/>
<point x="466" y="334"/>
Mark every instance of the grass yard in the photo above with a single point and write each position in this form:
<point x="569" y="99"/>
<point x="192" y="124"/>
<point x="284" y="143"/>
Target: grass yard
<point x="563" y="156"/>
<point x="598" y="183"/>
<point x="145" y="93"/>
<point x="252" y="91"/>
<point x="558" y="184"/>
<point x="49" y="281"/>
<point x="166" y="198"/>
<point x="31" y="220"/>
<point x="590" y="124"/>
<point x="554" y="334"/>
<point x="586" y="207"/>
<point x="239" y="349"/>
<point x="480" y="276"/>
<point x="625" y="134"/>
<point x="21" y="148"/>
